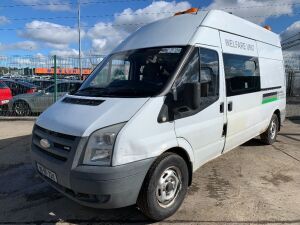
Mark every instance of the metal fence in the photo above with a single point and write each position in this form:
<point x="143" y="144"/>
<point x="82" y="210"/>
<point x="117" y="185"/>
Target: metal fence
<point x="31" y="80"/>
<point x="292" y="68"/>
<point x="30" y="84"/>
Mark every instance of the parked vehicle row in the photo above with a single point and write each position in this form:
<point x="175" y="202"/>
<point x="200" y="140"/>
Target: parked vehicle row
<point x="23" y="97"/>
<point x="20" y="87"/>
<point x="26" y="104"/>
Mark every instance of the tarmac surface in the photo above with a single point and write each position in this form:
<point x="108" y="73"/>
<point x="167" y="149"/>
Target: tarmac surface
<point x="252" y="184"/>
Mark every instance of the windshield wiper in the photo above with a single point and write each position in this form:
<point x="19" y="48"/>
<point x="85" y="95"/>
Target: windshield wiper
<point x="92" y="91"/>
<point x="114" y="92"/>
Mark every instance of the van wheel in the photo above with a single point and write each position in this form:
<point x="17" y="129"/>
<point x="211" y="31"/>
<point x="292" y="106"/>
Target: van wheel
<point x="164" y="187"/>
<point x="270" y="135"/>
<point x="21" y="108"/>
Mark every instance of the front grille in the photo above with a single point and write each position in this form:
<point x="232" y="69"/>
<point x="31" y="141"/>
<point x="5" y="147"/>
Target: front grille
<point x="60" y="144"/>
<point x="56" y="134"/>
<point x="51" y="154"/>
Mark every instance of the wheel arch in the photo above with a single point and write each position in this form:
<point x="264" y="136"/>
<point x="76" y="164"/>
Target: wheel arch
<point x="278" y="114"/>
<point x="184" y="154"/>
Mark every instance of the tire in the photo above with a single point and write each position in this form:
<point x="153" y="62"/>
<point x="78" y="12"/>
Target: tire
<point x="270" y="135"/>
<point x="172" y="170"/>
<point x="21" y="108"/>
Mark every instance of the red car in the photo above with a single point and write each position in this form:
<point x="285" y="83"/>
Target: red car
<point x="5" y="95"/>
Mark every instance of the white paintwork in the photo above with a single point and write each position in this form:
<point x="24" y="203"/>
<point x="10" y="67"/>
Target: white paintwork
<point x="184" y="144"/>
<point x="143" y="137"/>
<point x="268" y="70"/>
<point x="234" y="44"/>
<point x="82" y="120"/>
<point x="241" y="121"/>
<point x="223" y="21"/>
<point x="172" y="31"/>
<point x="199" y="135"/>
<point x="268" y="51"/>
<point x="206" y="36"/>
<point x="204" y="130"/>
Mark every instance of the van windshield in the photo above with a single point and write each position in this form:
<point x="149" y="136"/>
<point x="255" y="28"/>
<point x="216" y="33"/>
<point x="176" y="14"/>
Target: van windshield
<point x="134" y="73"/>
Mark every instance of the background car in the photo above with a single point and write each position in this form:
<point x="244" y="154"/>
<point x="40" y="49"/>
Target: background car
<point x="5" y="95"/>
<point x="26" y="104"/>
<point x="42" y="84"/>
<point x="20" y="87"/>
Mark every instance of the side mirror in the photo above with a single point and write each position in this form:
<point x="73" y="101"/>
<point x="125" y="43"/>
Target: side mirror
<point x="192" y="95"/>
<point x="189" y="99"/>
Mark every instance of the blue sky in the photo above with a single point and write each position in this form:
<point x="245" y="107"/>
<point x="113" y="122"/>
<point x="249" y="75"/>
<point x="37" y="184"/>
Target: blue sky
<point x="44" y="27"/>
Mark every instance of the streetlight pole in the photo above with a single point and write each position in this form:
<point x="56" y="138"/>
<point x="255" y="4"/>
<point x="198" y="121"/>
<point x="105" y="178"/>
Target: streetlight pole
<point x="79" y="41"/>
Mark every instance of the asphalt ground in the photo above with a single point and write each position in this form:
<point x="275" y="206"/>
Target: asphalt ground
<point x="252" y="184"/>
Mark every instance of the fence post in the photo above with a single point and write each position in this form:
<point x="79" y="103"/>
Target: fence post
<point x="55" y="79"/>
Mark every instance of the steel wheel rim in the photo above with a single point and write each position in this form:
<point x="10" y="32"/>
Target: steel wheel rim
<point x="168" y="187"/>
<point x="273" y="129"/>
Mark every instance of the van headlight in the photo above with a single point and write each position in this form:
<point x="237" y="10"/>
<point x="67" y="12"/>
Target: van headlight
<point x="100" y="145"/>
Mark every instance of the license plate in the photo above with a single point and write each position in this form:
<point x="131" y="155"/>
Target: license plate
<point x="46" y="172"/>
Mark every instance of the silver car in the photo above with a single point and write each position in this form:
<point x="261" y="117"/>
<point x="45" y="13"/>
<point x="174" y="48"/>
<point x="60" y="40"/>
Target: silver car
<point x="26" y="104"/>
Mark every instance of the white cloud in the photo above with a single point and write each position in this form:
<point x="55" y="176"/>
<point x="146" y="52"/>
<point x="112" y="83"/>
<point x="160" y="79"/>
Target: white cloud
<point x="39" y="55"/>
<point x="23" y="45"/>
<point x="155" y="11"/>
<point x="53" y="35"/>
<point x="106" y="36"/>
<point x="57" y="46"/>
<point x="65" y="53"/>
<point x="256" y="11"/>
<point x="50" y="5"/>
<point x="4" y="20"/>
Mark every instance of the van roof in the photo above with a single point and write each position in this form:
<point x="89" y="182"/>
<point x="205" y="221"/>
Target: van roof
<point x="179" y="30"/>
<point x="227" y="22"/>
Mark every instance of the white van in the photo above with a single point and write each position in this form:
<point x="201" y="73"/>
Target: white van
<point x="174" y="95"/>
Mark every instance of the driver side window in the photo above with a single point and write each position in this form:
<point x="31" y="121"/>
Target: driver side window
<point x="202" y="68"/>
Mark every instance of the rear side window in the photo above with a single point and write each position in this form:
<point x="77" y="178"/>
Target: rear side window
<point x="242" y="74"/>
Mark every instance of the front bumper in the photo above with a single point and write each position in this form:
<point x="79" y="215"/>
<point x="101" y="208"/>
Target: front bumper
<point x="103" y="187"/>
<point x="93" y="186"/>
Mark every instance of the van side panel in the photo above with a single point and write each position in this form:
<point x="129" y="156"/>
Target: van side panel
<point x="269" y="51"/>
<point x="271" y="65"/>
<point x="246" y="120"/>
<point x="272" y="74"/>
<point x="252" y="112"/>
<point x="234" y="44"/>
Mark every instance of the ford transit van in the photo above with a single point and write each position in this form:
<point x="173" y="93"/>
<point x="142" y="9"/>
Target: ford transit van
<point x="174" y="95"/>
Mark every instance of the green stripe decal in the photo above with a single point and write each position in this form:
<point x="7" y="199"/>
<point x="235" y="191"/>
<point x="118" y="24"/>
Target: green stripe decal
<point x="268" y="100"/>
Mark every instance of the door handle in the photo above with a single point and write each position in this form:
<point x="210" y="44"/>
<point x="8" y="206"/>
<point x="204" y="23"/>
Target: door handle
<point x="222" y="107"/>
<point x="230" y="106"/>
